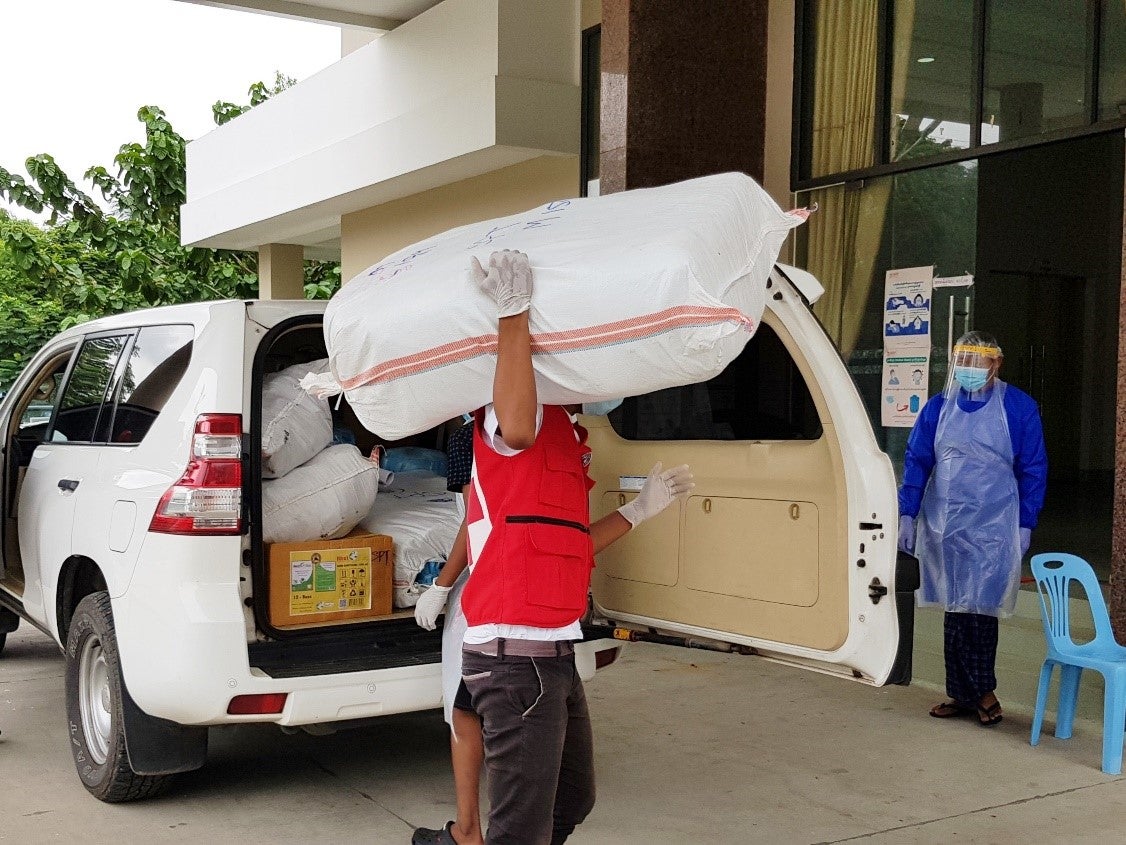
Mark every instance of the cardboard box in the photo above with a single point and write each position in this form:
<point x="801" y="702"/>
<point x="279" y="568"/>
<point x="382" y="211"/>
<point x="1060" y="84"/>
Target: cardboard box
<point x="318" y="581"/>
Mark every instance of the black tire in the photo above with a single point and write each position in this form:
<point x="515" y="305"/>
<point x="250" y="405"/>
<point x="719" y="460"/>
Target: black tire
<point x="97" y="736"/>
<point x="8" y="623"/>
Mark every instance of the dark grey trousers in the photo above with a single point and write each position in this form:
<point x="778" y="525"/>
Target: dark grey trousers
<point x="539" y="750"/>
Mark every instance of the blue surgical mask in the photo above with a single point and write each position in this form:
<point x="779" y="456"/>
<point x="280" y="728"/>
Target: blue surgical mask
<point x="971" y="378"/>
<point x="600" y="409"/>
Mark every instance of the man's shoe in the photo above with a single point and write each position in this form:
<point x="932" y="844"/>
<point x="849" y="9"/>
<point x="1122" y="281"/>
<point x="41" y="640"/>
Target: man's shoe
<point x="429" y="836"/>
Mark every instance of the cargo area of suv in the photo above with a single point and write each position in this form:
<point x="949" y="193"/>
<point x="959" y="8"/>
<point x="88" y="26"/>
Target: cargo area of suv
<point x="379" y="641"/>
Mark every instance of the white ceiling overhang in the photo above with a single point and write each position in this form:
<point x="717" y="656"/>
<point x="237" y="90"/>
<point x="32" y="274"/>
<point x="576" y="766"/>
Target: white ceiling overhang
<point x="373" y="15"/>
<point x="451" y="94"/>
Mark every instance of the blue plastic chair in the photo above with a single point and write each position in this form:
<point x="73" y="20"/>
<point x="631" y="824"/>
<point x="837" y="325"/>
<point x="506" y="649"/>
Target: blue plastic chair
<point x="1054" y="573"/>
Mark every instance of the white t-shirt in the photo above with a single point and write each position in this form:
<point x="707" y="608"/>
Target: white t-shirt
<point x="479" y="532"/>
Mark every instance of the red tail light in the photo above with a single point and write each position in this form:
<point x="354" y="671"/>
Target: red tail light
<point x="257" y="705"/>
<point x="207" y="499"/>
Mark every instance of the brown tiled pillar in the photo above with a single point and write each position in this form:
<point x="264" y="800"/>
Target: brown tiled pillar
<point x="1118" y="542"/>
<point x="683" y="90"/>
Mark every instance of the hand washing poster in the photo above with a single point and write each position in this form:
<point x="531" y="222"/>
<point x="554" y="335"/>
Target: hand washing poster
<point x="907" y="345"/>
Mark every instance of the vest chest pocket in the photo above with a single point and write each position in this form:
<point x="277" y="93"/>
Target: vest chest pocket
<point x="563" y="483"/>
<point x="558" y="560"/>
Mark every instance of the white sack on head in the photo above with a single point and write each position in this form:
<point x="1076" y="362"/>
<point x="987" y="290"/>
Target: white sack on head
<point x="295" y="425"/>
<point x="323" y="499"/>
<point x="634" y="292"/>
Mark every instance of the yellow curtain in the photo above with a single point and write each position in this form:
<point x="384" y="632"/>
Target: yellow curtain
<point x="844" y="235"/>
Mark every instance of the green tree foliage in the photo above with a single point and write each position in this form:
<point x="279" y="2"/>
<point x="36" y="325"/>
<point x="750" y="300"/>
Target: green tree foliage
<point x="88" y="260"/>
<point x="259" y="92"/>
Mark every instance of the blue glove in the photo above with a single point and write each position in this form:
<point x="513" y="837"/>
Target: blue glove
<point x="1025" y="540"/>
<point x="907" y="534"/>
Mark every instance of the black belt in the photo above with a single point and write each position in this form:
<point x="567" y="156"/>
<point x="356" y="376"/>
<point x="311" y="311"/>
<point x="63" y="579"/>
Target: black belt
<point x="549" y="520"/>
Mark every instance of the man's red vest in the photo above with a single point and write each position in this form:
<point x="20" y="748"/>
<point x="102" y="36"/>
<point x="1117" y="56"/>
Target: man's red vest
<point x="535" y="566"/>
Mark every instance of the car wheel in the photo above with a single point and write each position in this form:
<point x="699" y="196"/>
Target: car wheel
<point x="94" y="707"/>
<point x="8" y="623"/>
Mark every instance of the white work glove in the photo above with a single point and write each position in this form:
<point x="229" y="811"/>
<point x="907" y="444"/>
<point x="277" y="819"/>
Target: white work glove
<point x="430" y="605"/>
<point x="660" y="490"/>
<point x="508" y="281"/>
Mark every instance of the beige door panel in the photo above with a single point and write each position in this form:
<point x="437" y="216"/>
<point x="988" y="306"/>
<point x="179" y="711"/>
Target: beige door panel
<point x="759" y="549"/>
<point x="714" y="588"/>
<point x="649" y="556"/>
<point x="747" y="568"/>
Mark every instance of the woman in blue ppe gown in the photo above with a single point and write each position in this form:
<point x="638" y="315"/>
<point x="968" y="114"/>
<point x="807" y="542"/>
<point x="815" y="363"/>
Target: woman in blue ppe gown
<point x="974" y="478"/>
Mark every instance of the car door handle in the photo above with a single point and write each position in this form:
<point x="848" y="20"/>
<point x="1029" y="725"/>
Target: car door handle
<point x="68" y="485"/>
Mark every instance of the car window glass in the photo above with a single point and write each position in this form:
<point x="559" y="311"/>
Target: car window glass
<point x="44" y="397"/>
<point x="86" y="387"/>
<point x="157" y="361"/>
<point x="761" y="395"/>
<point x="37" y="403"/>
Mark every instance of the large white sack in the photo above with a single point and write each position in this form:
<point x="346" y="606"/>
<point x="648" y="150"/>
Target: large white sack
<point x="296" y="426"/>
<point x="323" y="499"/>
<point x="423" y="518"/>
<point x="634" y="292"/>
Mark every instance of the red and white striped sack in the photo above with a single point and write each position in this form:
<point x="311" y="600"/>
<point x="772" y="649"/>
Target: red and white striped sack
<point x="633" y="292"/>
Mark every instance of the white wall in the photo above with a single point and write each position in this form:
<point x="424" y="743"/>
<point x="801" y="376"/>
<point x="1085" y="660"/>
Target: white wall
<point x="464" y="88"/>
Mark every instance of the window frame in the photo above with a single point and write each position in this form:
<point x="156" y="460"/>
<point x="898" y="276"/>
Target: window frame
<point x="112" y="393"/>
<point x="588" y="64"/>
<point x="801" y="126"/>
<point x="796" y="370"/>
<point x="119" y="379"/>
<point x="33" y="371"/>
<point x="49" y="434"/>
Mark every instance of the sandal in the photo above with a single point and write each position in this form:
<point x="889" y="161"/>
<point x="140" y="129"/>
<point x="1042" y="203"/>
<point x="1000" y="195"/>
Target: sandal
<point x="949" y="709"/>
<point x="989" y="716"/>
<point x="429" y="836"/>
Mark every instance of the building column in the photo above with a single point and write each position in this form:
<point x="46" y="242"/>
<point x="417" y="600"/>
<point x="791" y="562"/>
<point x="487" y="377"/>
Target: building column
<point x="1117" y="598"/>
<point x="281" y="271"/>
<point x="683" y="90"/>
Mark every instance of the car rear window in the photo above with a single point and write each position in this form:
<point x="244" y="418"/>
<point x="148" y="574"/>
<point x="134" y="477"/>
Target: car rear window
<point x="157" y="361"/>
<point x="761" y="395"/>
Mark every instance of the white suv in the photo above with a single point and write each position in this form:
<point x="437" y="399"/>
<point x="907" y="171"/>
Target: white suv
<point x="132" y="536"/>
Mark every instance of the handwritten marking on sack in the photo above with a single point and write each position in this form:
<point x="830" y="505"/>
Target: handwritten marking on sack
<point x="389" y="270"/>
<point x="491" y="235"/>
<point x="536" y="224"/>
<point x="523" y="225"/>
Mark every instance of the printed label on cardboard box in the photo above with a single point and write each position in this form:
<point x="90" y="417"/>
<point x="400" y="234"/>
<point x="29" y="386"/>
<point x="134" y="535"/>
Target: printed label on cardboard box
<point x="325" y="580"/>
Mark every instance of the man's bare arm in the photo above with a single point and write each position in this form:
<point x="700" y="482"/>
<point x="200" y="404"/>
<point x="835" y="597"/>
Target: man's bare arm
<point x="509" y="282"/>
<point x="514" y="384"/>
<point x="608" y="529"/>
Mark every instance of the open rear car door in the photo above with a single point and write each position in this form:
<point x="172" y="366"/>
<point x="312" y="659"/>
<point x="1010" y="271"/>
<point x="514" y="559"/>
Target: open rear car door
<point x="787" y="545"/>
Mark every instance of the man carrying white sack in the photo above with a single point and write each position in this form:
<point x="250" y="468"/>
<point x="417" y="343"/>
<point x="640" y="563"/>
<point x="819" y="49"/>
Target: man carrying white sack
<point x="531" y="550"/>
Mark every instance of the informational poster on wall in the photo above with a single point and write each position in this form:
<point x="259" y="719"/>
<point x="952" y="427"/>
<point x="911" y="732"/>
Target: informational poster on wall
<point x="907" y="345"/>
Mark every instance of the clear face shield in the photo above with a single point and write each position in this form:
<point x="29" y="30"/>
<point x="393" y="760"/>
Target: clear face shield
<point x="973" y="365"/>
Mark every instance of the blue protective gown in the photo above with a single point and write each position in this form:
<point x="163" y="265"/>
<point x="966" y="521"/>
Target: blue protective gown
<point x="990" y="478"/>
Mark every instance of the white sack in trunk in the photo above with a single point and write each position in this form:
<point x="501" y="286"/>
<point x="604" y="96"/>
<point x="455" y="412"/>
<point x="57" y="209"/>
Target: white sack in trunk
<point x="423" y="518"/>
<point x="634" y="292"/>
<point x="296" y="426"/>
<point x="323" y="499"/>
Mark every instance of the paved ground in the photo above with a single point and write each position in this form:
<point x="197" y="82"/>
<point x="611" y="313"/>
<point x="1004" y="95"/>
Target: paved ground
<point x="693" y="747"/>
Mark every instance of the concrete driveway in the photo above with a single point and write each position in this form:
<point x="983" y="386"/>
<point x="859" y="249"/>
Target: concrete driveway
<point x="692" y="746"/>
